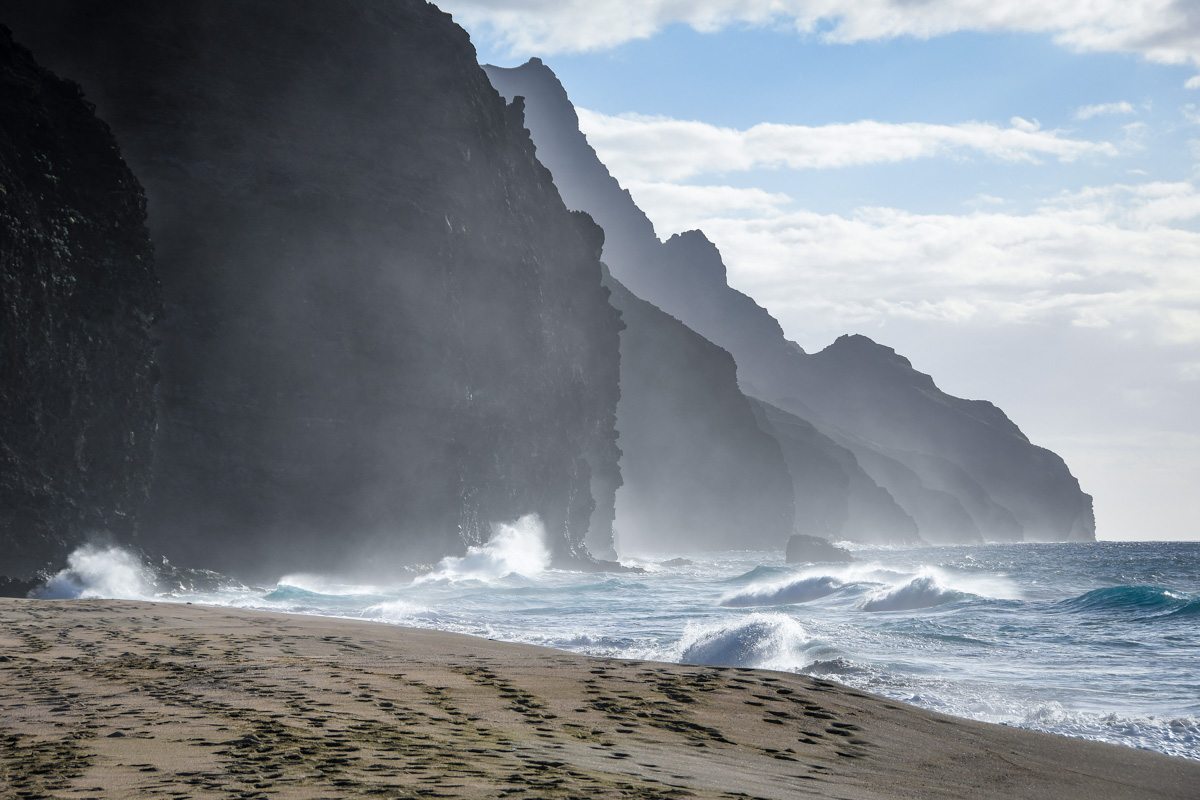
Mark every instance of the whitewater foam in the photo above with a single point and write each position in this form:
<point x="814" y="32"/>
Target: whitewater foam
<point x="924" y="591"/>
<point x="800" y="590"/>
<point x="761" y="640"/>
<point x="96" y="571"/>
<point x="516" y="548"/>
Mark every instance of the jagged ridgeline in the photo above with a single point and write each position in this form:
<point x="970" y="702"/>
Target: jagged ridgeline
<point x="79" y="299"/>
<point x="875" y="450"/>
<point x="383" y="330"/>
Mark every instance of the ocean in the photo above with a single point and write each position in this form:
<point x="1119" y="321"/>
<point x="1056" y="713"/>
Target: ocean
<point x="1097" y="640"/>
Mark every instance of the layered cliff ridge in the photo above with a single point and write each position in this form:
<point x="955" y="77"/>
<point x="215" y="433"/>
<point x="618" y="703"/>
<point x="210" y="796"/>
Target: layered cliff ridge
<point x="960" y="469"/>
<point x="1011" y="489"/>
<point x="384" y="330"/>
<point x="699" y="472"/>
<point x="80" y="298"/>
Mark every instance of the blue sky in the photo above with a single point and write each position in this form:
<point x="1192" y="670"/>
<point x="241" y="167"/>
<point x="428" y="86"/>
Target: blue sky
<point x="1008" y="193"/>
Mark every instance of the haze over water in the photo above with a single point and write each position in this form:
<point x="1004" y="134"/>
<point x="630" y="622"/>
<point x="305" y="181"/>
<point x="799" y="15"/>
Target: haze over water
<point x="1090" y="640"/>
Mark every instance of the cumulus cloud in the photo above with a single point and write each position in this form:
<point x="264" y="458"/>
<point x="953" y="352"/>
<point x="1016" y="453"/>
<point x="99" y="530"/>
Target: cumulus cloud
<point x="1104" y="257"/>
<point x="652" y="148"/>
<point x="677" y="204"/>
<point x="1104" y="110"/>
<point x="1165" y="31"/>
<point x="983" y="200"/>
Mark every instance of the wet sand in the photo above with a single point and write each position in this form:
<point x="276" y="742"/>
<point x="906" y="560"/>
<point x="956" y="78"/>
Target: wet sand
<point x="116" y="699"/>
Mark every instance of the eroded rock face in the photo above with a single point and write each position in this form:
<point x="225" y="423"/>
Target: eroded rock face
<point x="1012" y="489"/>
<point x="699" y="472"/>
<point x="384" y="329"/>
<point x="960" y="469"/>
<point x="80" y="298"/>
<point x="835" y="497"/>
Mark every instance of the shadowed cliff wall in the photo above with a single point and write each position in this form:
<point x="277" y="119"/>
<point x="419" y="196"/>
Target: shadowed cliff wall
<point x="960" y="468"/>
<point x="79" y="301"/>
<point x="699" y="472"/>
<point x="384" y="330"/>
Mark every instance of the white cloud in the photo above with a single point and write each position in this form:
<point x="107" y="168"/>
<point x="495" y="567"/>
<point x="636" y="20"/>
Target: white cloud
<point x="1140" y="206"/>
<point x="1192" y="82"/>
<point x="1165" y="31"/>
<point x="984" y="200"/>
<point x="1104" y="110"/>
<point x="649" y="148"/>
<point x="704" y="201"/>
<point x="1105" y="257"/>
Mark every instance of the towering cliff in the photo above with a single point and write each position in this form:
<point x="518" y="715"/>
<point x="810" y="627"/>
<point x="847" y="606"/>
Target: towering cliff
<point x="384" y="330"/>
<point x="968" y="449"/>
<point x="959" y="468"/>
<point x="700" y="472"/>
<point x="835" y="497"/>
<point x="79" y="300"/>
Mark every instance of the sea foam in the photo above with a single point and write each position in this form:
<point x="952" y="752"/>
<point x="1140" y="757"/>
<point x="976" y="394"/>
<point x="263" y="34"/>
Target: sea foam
<point x="924" y="591"/>
<point x="799" y="590"/>
<point x="95" y="571"/>
<point x="515" y="548"/>
<point x="763" y="641"/>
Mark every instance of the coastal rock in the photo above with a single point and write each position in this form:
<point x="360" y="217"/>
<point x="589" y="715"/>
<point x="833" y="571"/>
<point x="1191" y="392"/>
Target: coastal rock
<point x="960" y="468"/>
<point x="384" y="331"/>
<point x="835" y="497"/>
<point x="803" y="549"/>
<point x="1012" y="489"/>
<point x="80" y="298"/>
<point x="832" y="494"/>
<point x="699" y="472"/>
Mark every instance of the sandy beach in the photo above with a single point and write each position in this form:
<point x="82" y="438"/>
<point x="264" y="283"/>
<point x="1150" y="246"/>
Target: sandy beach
<point x="116" y="699"/>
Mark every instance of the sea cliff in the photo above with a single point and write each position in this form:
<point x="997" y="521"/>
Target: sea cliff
<point x="959" y="470"/>
<point x="384" y="331"/>
<point x="80" y="298"/>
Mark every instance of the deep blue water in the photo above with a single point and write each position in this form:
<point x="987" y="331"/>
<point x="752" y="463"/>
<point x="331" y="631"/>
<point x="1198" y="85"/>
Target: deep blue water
<point x="1093" y="640"/>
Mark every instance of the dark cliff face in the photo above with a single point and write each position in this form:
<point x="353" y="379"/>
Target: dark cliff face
<point x="384" y="329"/>
<point x="79" y="302"/>
<point x="1012" y="489"/>
<point x="960" y="468"/>
<point x="835" y="497"/>
<point x="685" y="277"/>
<point x="700" y="473"/>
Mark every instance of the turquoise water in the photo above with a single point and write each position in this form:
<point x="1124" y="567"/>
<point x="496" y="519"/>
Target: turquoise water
<point x="1092" y="640"/>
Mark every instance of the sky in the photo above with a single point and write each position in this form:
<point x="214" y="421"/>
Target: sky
<point x="1007" y="192"/>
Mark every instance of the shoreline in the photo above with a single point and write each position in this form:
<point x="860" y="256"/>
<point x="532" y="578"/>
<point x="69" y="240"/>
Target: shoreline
<point x="107" y="698"/>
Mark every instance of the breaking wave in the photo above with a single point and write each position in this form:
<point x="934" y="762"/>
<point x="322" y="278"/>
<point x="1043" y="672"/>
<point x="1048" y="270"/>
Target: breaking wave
<point x="94" y="571"/>
<point x="1145" y="601"/>
<point x="764" y="641"/>
<point x="515" y="548"/>
<point x="924" y="591"/>
<point x="800" y="590"/>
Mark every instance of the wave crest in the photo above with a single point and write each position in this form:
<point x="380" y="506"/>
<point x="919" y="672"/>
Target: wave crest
<point x="800" y="590"/>
<point x="762" y="641"/>
<point x="515" y="548"/>
<point x="1148" y="601"/>
<point x="99" y="572"/>
<point x="924" y="591"/>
